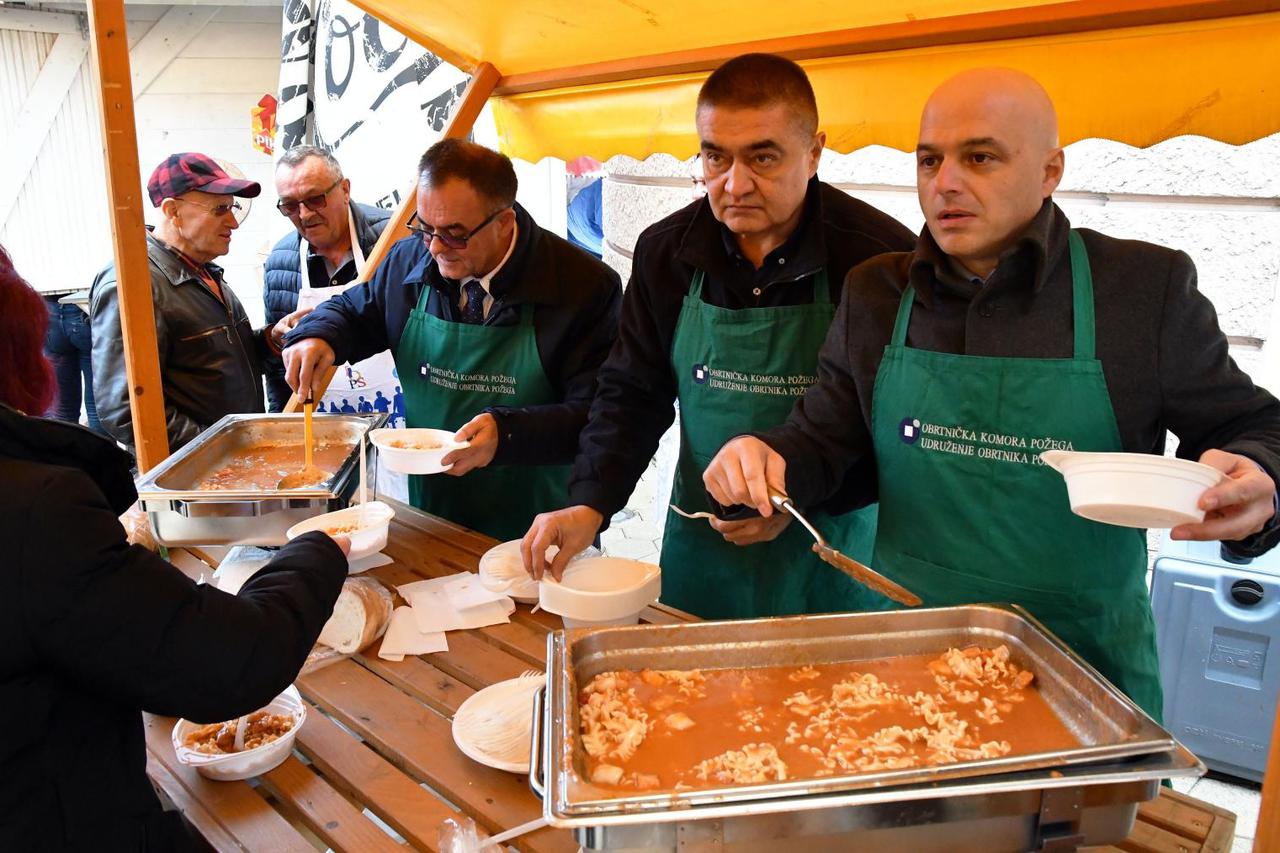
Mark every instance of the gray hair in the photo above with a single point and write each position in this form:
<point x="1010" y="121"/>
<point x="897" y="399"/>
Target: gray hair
<point x="295" y="155"/>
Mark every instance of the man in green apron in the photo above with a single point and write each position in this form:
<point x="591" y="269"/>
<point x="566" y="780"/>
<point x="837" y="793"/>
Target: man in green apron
<point x="497" y="328"/>
<point x="728" y="304"/>
<point x="1005" y="333"/>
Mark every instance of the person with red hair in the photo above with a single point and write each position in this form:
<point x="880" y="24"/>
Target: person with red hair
<point x="93" y="631"/>
<point x="26" y="377"/>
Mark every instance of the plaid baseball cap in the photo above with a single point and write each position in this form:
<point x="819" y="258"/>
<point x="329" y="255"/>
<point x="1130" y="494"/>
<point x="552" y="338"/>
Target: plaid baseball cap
<point x="181" y="173"/>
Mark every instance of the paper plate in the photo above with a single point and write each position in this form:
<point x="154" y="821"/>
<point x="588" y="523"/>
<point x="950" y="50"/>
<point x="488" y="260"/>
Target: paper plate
<point x="499" y="560"/>
<point x="509" y="704"/>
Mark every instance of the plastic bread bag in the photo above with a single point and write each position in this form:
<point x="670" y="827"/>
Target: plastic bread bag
<point x="460" y="835"/>
<point x="359" y="618"/>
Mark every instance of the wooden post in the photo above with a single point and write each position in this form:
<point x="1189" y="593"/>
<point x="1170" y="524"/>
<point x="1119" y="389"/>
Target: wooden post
<point x="1267" y="838"/>
<point x="460" y="123"/>
<point x="110" y="44"/>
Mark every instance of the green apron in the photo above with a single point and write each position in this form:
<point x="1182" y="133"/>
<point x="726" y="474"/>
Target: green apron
<point x="969" y="513"/>
<point x="450" y="373"/>
<point x="741" y="371"/>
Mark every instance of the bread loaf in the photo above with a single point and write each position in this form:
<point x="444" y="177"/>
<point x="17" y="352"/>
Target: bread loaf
<point x="360" y="615"/>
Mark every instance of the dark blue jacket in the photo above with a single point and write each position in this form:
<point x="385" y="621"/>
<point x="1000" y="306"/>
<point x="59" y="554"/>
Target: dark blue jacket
<point x="282" y="279"/>
<point x="575" y="299"/>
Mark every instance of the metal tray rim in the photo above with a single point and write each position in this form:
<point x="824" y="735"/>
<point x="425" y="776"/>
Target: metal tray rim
<point x="149" y="490"/>
<point x="560" y="728"/>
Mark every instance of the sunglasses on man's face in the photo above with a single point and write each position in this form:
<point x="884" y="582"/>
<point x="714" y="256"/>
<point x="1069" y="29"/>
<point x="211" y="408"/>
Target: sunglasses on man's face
<point x="427" y="233"/>
<point x="316" y="202"/>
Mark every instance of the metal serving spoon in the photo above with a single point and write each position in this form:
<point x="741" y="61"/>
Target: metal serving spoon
<point x="862" y="574"/>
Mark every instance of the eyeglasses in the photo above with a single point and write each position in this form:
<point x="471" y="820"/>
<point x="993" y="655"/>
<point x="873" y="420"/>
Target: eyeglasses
<point x="417" y="226"/>
<point x="218" y="210"/>
<point x="315" y="202"/>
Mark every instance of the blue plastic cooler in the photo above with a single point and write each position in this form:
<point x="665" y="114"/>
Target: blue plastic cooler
<point x="1218" y="630"/>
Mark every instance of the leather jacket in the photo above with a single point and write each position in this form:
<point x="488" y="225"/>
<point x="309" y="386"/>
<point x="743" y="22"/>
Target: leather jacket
<point x="210" y="357"/>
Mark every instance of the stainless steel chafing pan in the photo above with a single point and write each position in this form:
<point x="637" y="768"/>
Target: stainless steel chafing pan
<point x="183" y="514"/>
<point x="1122" y="750"/>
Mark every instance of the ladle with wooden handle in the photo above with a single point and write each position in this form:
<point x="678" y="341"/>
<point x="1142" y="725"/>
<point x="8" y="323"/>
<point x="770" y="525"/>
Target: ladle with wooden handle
<point x="309" y="474"/>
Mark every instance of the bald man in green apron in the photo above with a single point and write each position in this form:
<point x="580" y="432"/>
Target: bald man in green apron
<point x="729" y="301"/>
<point x="1005" y="333"/>
<point x="497" y="328"/>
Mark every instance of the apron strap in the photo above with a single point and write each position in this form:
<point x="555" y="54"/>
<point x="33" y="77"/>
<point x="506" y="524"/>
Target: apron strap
<point x="695" y="286"/>
<point x="899" y="337"/>
<point x="423" y="297"/>
<point x="1081" y="298"/>
<point x="821" y="287"/>
<point x="357" y="253"/>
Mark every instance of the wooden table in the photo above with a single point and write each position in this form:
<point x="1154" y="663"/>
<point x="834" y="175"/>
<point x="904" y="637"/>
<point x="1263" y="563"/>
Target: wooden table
<point x="378" y="741"/>
<point x="378" y="738"/>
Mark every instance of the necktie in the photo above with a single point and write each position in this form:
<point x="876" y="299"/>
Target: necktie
<point x="473" y="311"/>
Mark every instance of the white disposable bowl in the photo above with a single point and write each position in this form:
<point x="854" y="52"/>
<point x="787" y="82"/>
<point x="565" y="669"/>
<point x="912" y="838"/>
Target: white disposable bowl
<point x="408" y="460"/>
<point x="251" y="762"/>
<point x="502" y="570"/>
<point x="602" y="591"/>
<point x="366" y="541"/>
<point x="1134" y="489"/>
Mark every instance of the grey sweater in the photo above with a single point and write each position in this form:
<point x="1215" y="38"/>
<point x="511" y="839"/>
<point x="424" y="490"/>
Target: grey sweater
<point x="1163" y="355"/>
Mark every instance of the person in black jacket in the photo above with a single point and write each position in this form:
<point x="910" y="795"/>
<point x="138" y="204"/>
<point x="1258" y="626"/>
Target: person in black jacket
<point x="729" y="301"/>
<point x="498" y="328"/>
<point x="338" y="234"/>
<point x="211" y="358"/>
<point x="93" y="630"/>
<point x="1006" y="333"/>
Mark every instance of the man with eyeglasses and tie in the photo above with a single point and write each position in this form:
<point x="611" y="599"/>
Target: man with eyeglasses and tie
<point x="210" y="357"/>
<point x="497" y="327"/>
<point x="320" y="258"/>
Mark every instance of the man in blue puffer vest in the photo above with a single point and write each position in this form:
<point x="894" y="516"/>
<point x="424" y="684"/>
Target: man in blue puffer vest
<point x="316" y="198"/>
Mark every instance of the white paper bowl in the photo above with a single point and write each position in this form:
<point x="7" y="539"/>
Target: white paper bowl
<point x="251" y="762"/>
<point x="599" y="591"/>
<point x="409" y="460"/>
<point x="501" y="561"/>
<point x="365" y="542"/>
<point x="1133" y="489"/>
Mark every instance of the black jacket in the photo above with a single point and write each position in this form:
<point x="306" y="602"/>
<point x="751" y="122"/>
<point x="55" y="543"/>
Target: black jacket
<point x="282" y="279"/>
<point x="1163" y="356"/>
<point x="93" y="631"/>
<point x="210" y="357"/>
<point x="575" y="300"/>
<point x="634" y="404"/>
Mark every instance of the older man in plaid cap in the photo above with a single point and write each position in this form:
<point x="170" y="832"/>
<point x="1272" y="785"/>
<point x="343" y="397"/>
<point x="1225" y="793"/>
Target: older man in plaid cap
<point x="210" y="357"/>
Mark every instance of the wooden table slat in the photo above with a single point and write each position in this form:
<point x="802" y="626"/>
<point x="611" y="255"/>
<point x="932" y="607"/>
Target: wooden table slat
<point x="1175" y="814"/>
<point x="422" y="681"/>
<point x="200" y="817"/>
<point x="324" y="811"/>
<point x="1147" y="838"/>
<point x="360" y="772"/>
<point x="237" y="807"/>
<point x="477" y="663"/>
<point x="418" y="739"/>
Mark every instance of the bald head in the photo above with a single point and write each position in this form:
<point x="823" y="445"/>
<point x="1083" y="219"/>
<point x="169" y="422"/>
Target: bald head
<point x="987" y="159"/>
<point x="1008" y="98"/>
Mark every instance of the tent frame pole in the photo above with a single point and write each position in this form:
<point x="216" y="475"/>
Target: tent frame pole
<point x="474" y="97"/>
<point x="110" y="50"/>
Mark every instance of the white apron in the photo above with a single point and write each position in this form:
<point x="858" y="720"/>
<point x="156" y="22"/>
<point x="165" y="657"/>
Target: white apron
<point x="371" y="385"/>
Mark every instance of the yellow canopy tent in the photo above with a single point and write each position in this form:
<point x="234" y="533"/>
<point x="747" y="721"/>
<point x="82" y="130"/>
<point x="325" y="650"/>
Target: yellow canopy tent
<point x="605" y="77"/>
